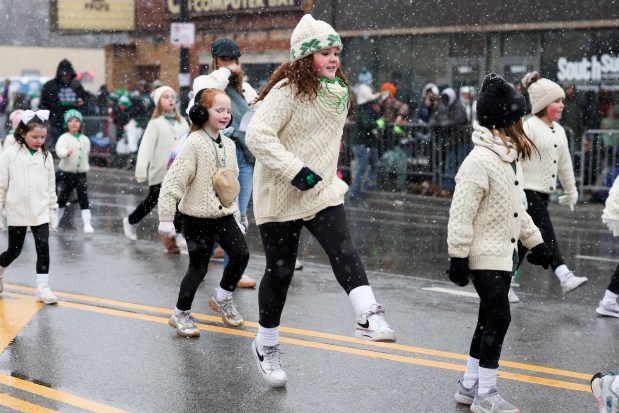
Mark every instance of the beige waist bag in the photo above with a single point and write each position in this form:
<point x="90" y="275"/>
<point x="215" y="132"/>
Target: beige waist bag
<point x="225" y="182"/>
<point x="226" y="186"/>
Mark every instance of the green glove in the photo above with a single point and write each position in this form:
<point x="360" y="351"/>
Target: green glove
<point x="380" y="123"/>
<point x="398" y="130"/>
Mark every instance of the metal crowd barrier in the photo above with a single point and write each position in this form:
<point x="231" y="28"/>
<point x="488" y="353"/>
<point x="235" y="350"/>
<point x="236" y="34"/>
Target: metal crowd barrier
<point x="432" y="155"/>
<point x="596" y="163"/>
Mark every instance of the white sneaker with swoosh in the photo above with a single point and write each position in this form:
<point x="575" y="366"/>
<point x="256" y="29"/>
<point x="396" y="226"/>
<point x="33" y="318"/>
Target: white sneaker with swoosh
<point x="269" y="364"/>
<point x="372" y="325"/>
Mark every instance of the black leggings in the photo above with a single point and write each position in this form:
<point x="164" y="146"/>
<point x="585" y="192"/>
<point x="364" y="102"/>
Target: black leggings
<point x="538" y="209"/>
<point x="494" y="316"/>
<point x="148" y="204"/>
<point x="17" y="235"/>
<point x="201" y="234"/>
<point x="281" y="240"/>
<point x="70" y="181"/>
<point x="614" y="282"/>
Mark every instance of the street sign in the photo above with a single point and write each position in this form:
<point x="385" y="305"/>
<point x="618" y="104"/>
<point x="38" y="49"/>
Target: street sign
<point x="182" y="35"/>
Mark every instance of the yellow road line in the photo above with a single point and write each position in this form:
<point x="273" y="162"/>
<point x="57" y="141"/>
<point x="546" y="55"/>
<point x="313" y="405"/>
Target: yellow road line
<point x="331" y="347"/>
<point x="22" y="405"/>
<point x="57" y="395"/>
<point x="327" y="336"/>
<point x="15" y="314"/>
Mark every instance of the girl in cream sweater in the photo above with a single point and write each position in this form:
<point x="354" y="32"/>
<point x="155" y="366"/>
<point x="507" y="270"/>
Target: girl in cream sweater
<point x="28" y="192"/>
<point x="164" y="128"/>
<point x="541" y="172"/>
<point x="206" y="217"/>
<point x="295" y="136"/>
<point x="486" y="218"/>
<point x="73" y="149"/>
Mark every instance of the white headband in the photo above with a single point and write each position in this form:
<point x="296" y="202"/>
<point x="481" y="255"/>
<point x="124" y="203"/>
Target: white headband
<point x="28" y="115"/>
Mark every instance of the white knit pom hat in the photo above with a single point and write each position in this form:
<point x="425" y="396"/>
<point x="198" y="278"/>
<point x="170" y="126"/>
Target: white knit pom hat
<point x="157" y="93"/>
<point x="312" y="35"/>
<point x="542" y="91"/>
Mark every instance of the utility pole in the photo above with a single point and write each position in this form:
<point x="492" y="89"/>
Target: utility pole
<point x="184" y="76"/>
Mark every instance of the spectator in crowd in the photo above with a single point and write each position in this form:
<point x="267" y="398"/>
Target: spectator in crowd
<point x="572" y="119"/>
<point x="60" y="94"/>
<point x="363" y="90"/>
<point x="451" y="112"/>
<point x="391" y="105"/>
<point x="429" y="102"/>
<point x="468" y="103"/>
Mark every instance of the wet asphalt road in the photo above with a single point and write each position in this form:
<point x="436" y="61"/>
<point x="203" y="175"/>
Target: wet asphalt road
<point x="107" y="347"/>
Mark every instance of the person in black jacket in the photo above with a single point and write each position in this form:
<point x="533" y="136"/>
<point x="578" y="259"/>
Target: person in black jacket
<point x="60" y="94"/>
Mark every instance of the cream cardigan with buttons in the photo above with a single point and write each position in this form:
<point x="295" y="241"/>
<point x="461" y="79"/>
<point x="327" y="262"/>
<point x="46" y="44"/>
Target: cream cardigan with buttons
<point x="27" y="186"/>
<point x="78" y="161"/>
<point x="552" y="162"/>
<point x="486" y="217"/>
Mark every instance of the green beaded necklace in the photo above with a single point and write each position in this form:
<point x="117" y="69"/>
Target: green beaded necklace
<point x="331" y="98"/>
<point x="223" y="162"/>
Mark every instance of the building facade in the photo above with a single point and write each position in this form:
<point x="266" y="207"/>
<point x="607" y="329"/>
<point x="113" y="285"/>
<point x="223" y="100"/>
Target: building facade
<point x="408" y="43"/>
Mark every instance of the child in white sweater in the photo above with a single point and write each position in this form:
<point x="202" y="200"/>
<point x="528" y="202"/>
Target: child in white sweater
<point x="73" y="149"/>
<point x="295" y="136"/>
<point x="608" y="306"/>
<point x="28" y="192"/>
<point x="486" y="218"/>
<point x="541" y="171"/>
<point x="164" y="128"/>
<point x="206" y="216"/>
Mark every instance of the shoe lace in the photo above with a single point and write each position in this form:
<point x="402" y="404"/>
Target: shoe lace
<point x="228" y="308"/>
<point x="375" y="314"/>
<point x="271" y="354"/>
<point x="186" y="319"/>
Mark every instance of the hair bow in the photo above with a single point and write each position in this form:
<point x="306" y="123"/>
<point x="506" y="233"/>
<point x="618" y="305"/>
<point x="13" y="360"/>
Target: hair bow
<point x="28" y="115"/>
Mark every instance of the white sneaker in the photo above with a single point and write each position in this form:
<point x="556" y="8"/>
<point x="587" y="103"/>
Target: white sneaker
<point x="512" y="296"/>
<point x="46" y="296"/>
<point x="131" y="231"/>
<point x="601" y="385"/>
<point x="608" y="308"/>
<point x="298" y="265"/>
<point x="372" y="326"/>
<point x="269" y="364"/>
<point x="572" y="282"/>
<point x="184" y="325"/>
<point x="88" y="229"/>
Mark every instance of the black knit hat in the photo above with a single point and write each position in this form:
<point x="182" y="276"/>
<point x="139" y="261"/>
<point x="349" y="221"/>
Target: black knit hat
<point x="225" y="48"/>
<point x="498" y="103"/>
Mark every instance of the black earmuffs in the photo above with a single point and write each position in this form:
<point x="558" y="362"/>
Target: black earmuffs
<point x="199" y="114"/>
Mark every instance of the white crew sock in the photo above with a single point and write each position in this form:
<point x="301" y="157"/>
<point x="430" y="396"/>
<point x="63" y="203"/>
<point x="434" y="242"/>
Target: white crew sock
<point x="608" y="295"/>
<point x="362" y="298"/>
<point x="562" y="271"/>
<point x="615" y="386"/>
<point x="2" y="269"/>
<point x="268" y="337"/>
<point x="221" y="294"/>
<point x="59" y="214"/>
<point x="487" y="379"/>
<point x="471" y="375"/>
<point x="86" y="216"/>
<point x="177" y="311"/>
<point x="42" y="281"/>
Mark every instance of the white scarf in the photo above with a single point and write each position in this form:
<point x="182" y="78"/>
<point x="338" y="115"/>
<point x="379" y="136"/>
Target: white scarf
<point x="483" y="137"/>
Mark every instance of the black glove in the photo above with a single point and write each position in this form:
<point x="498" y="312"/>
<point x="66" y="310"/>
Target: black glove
<point x="459" y="271"/>
<point x="540" y="255"/>
<point x="306" y="179"/>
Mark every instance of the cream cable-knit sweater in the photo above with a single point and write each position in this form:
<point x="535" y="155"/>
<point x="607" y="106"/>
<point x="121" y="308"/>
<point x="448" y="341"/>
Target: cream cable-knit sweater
<point x="80" y="152"/>
<point x="611" y="209"/>
<point x="487" y="217"/>
<point x="541" y="172"/>
<point x="286" y="134"/>
<point x="190" y="179"/>
<point x="27" y="187"/>
<point x="155" y="148"/>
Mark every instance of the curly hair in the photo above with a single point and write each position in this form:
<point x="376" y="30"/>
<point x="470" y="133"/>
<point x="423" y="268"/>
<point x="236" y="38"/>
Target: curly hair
<point x="301" y="74"/>
<point x="23" y="128"/>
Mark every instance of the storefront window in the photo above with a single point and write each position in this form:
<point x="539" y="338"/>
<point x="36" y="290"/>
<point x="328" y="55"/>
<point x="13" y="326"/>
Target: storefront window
<point x="519" y="44"/>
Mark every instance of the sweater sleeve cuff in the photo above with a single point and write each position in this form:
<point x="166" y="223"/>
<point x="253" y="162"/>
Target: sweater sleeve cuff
<point x="533" y="240"/>
<point x="164" y="217"/>
<point x="293" y="169"/>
